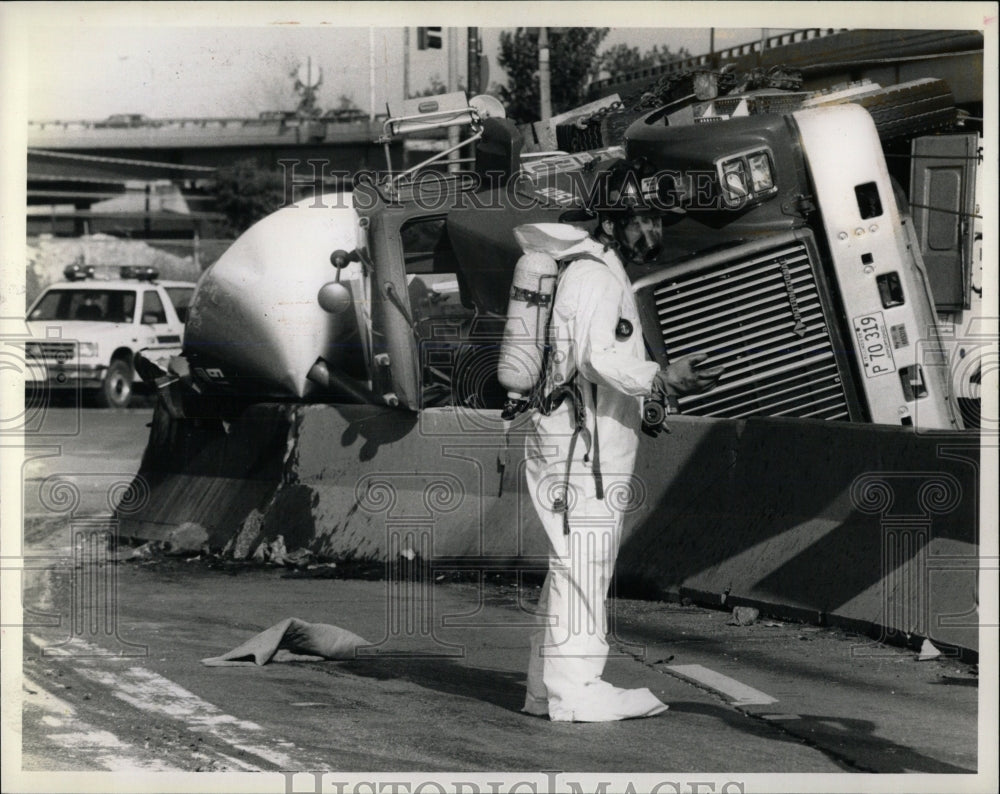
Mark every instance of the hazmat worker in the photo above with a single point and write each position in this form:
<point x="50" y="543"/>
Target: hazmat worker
<point x="581" y="447"/>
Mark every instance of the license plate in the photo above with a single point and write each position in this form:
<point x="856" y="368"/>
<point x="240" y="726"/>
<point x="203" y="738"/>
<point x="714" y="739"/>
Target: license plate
<point x="873" y="344"/>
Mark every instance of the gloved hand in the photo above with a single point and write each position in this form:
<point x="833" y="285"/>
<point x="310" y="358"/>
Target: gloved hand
<point x="684" y="375"/>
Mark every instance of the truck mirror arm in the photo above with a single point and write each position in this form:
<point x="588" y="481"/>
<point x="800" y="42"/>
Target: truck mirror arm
<point x="390" y="292"/>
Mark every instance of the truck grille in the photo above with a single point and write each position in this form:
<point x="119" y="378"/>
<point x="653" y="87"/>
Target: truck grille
<point x="60" y="351"/>
<point x="762" y="318"/>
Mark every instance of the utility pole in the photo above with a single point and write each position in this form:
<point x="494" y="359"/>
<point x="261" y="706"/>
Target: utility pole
<point x="453" y="132"/>
<point x="472" y="58"/>
<point x="543" y="74"/>
<point x="371" y="74"/>
<point x="406" y="63"/>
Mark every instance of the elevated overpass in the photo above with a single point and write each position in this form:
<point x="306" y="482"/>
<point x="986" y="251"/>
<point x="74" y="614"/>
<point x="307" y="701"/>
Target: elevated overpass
<point x="830" y="56"/>
<point x="82" y="162"/>
<point x="216" y="142"/>
<point x="824" y="56"/>
<point x="85" y="163"/>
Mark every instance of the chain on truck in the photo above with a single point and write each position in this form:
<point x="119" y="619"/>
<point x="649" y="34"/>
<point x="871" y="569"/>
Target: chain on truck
<point x="790" y="255"/>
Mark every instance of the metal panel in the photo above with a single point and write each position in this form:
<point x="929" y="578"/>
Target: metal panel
<point x="942" y="200"/>
<point x="760" y="315"/>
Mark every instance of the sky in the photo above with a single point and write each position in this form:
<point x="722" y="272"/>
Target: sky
<point x="85" y="61"/>
<point x="240" y="71"/>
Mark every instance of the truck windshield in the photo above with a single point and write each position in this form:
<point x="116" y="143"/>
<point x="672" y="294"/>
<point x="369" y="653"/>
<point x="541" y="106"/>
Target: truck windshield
<point x="181" y="298"/>
<point x="93" y="305"/>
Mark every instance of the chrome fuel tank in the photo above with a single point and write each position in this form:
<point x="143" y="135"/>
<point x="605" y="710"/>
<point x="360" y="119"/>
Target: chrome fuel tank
<point x="255" y="326"/>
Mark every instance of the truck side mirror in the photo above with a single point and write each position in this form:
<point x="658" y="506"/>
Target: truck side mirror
<point x="333" y="296"/>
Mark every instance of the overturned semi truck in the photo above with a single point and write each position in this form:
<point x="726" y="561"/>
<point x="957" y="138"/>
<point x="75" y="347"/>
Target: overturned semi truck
<point x="339" y="382"/>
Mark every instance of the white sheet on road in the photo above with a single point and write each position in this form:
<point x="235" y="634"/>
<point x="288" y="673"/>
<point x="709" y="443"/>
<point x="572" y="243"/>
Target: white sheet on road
<point x="296" y="637"/>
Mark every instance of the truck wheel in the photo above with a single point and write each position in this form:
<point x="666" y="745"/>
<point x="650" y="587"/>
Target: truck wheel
<point x="911" y="108"/>
<point x="116" y="391"/>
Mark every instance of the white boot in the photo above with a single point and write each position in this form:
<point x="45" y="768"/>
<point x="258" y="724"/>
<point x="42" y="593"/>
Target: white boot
<point x="602" y="702"/>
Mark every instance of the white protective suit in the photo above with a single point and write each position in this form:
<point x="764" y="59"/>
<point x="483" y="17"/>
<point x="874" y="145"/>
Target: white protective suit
<point x="569" y="653"/>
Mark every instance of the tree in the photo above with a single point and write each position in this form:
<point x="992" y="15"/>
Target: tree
<point x="617" y="60"/>
<point x="572" y="54"/>
<point x="244" y="193"/>
<point x="622" y="59"/>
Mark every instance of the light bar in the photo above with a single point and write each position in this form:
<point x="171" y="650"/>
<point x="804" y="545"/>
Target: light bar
<point x="139" y="272"/>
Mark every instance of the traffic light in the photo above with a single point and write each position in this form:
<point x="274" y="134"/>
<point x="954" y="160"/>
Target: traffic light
<point x="429" y="38"/>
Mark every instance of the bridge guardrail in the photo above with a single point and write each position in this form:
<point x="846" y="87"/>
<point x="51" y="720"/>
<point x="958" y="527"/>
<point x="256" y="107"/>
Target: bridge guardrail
<point x="709" y="60"/>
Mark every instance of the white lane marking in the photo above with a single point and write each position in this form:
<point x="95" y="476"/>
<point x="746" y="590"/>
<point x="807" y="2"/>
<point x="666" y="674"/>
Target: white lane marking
<point x="742" y="694"/>
<point x="88" y="739"/>
<point x="152" y="693"/>
<point x="236" y="765"/>
<point x="100" y="746"/>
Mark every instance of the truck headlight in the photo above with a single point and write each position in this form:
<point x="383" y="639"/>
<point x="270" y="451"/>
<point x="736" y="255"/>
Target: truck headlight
<point x="87" y="349"/>
<point x="734" y="180"/>
<point x="747" y="178"/>
<point x="760" y="172"/>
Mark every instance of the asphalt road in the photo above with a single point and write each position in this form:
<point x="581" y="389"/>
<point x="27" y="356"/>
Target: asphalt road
<point x="113" y="679"/>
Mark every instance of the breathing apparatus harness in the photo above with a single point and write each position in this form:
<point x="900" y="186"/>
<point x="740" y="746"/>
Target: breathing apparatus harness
<point x="623" y="194"/>
<point x="571" y="391"/>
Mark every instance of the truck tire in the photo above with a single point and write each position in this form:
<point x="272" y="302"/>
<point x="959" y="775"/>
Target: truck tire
<point x="911" y="108"/>
<point x="116" y="390"/>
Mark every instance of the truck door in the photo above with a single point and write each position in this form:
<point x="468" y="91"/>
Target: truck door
<point x="942" y="201"/>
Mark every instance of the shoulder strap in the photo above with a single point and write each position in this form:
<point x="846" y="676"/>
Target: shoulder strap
<point x="579" y="256"/>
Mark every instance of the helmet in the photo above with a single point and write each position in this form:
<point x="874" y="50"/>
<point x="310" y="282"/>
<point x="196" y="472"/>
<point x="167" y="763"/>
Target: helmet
<point x="631" y="187"/>
<point x="623" y="192"/>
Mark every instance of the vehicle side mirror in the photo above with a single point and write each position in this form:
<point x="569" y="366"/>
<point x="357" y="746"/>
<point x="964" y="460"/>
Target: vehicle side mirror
<point x="150" y="318"/>
<point x="335" y="297"/>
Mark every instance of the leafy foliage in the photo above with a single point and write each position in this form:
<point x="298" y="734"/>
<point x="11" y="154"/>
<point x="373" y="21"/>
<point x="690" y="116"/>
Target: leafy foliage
<point x="572" y="55"/>
<point x="244" y="193"/>
<point x="622" y="58"/>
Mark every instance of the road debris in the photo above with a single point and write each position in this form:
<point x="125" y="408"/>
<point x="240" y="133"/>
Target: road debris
<point x="744" y="616"/>
<point x="273" y="552"/>
<point x="928" y="651"/>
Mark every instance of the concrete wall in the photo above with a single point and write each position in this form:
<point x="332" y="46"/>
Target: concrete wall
<point x="870" y="527"/>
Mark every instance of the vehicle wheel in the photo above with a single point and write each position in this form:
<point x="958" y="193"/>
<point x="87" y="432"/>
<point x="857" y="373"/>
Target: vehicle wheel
<point x="116" y="391"/>
<point x="911" y="108"/>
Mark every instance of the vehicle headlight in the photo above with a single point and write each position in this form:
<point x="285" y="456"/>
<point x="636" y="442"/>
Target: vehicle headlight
<point x="734" y="179"/>
<point x="747" y="178"/>
<point x="760" y="172"/>
<point x="87" y="349"/>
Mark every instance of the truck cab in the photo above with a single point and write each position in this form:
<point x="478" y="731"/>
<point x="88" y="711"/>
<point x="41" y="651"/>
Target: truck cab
<point x="787" y="258"/>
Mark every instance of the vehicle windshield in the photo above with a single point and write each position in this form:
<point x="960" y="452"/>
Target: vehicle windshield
<point x="181" y="298"/>
<point x="91" y="305"/>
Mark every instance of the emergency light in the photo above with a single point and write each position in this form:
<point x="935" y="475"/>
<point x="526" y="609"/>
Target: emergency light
<point x="76" y="272"/>
<point x="140" y="273"/>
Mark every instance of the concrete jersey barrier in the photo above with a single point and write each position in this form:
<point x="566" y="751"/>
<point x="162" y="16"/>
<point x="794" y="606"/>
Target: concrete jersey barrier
<point x="871" y="527"/>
